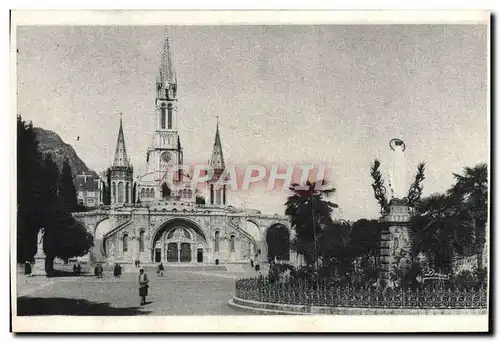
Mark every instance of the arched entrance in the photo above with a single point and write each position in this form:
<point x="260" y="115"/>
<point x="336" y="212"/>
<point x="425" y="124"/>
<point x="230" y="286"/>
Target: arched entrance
<point x="179" y="241"/>
<point x="278" y="242"/>
<point x="99" y="252"/>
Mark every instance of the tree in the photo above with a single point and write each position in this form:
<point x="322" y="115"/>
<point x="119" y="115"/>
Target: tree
<point x="470" y="193"/>
<point x="336" y="248"/>
<point x="379" y="190"/>
<point x="51" y="211"/>
<point x="278" y="243"/>
<point x="66" y="189"/>
<point x="63" y="237"/>
<point x="365" y="238"/>
<point x="309" y="212"/>
<point x="29" y="202"/>
<point x="439" y="229"/>
<point x="416" y="188"/>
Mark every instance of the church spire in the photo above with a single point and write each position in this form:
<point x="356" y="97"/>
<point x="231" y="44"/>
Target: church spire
<point x="121" y="152"/>
<point x="167" y="75"/>
<point x="217" y="161"/>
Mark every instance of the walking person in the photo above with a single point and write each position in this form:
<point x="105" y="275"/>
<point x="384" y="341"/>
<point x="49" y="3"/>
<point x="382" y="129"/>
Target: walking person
<point x="143" y="286"/>
<point x="160" y="269"/>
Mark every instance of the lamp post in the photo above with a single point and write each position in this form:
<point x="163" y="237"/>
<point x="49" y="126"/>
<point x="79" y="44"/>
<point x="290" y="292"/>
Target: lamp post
<point x="314" y="236"/>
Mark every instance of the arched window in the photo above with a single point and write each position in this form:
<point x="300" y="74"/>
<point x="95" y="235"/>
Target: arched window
<point x="231" y="243"/>
<point x="148" y="192"/>
<point x="169" y="109"/>
<point x="120" y="192"/>
<point x="141" y="241"/>
<point x="143" y="192"/>
<point x="211" y="194"/>
<point x="125" y="243"/>
<point x="127" y="189"/>
<point x="152" y="193"/>
<point x="217" y="238"/>
<point x="113" y="190"/>
<point x="162" y="115"/>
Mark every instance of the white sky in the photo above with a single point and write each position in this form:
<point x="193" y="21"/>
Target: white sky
<point x="284" y="94"/>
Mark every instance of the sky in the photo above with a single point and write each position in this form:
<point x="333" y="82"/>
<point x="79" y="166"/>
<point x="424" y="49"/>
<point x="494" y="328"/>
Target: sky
<point x="286" y="95"/>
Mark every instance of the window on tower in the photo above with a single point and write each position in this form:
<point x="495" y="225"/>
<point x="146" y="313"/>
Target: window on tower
<point x="169" y="116"/>
<point x="163" y="114"/>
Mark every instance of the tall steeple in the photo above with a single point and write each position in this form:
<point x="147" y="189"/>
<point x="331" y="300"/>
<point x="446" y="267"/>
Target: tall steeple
<point x="166" y="73"/>
<point x="217" y="161"/>
<point x="121" y="158"/>
<point x="122" y="173"/>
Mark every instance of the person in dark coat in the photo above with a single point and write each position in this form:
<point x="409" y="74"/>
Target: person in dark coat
<point x="27" y="268"/>
<point x="160" y="269"/>
<point x="116" y="271"/>
<point x="78" y="269"/>
<point x="143" y="286"/>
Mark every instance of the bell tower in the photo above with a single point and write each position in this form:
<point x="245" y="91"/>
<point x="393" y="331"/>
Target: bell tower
<point x="121" y="172"/>
<point x="165" y="150"/>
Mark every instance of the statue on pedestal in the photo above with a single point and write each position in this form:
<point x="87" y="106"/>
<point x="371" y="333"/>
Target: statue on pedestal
<point x="397" y="169"/>
<point x="40" y="254"/>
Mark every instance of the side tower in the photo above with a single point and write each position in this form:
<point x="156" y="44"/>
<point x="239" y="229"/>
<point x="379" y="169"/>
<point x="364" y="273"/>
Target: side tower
<point x="217" y="194"/>
<point x="165" y="150"/>
<point x="121" y="173"/>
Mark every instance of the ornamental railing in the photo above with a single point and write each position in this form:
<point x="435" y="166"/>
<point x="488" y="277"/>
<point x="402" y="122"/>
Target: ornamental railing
<point x="302" y="293"/>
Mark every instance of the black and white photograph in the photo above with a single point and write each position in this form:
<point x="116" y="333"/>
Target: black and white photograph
<point x="250" y="170"/>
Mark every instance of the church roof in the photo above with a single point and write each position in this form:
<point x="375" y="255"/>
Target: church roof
<point x="167" y="75"/>
<point x="217" y="161"/>
<point x="121" y="158"/>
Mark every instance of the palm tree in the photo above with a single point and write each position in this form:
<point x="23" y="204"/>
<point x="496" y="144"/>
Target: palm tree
<point x="301" y="204"/>
<point x="470" y="192"/>
<point x="439" y="229"/>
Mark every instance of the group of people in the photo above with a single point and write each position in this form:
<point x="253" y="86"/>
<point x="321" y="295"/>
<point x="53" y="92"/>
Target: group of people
<point x="117" y="271"/>
<point x="98" y="270"/>
<point x="77" y="269"/>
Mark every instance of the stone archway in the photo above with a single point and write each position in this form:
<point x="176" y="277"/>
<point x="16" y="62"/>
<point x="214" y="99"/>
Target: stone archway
<point x="99" y="252"/>
<point x="178" y="240"/>
<point x="278" y="242"/>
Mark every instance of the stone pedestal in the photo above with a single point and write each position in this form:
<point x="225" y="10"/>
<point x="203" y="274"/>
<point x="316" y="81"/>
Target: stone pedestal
<point x="38" y="268"/>
<point x="394" y="242"/>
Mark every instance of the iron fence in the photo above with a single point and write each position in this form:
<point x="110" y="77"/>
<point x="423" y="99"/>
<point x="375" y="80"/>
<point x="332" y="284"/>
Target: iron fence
<point x="302" y="293"/>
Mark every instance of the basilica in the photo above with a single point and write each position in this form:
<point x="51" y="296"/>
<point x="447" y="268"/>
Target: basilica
<point x="150" y="222"/>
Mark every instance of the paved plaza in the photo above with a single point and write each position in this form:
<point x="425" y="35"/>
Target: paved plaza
<point x="179" y="292"/>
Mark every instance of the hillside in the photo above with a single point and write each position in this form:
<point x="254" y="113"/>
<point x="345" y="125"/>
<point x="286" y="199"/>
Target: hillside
<point x="51" y="143"/>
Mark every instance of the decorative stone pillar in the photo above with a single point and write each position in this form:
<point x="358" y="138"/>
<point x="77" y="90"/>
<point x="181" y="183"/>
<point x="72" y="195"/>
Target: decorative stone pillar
<point x="394" y="241"/>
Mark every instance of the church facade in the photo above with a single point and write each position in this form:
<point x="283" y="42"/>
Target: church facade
<point x="150" y="222"/>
